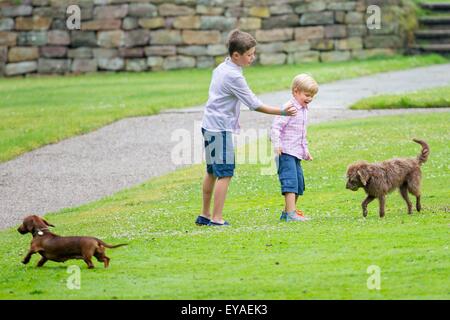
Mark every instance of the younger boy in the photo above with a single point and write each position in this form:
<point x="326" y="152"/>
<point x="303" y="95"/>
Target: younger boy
<point x="288" y="136"/>
<point x="227" y="90"/>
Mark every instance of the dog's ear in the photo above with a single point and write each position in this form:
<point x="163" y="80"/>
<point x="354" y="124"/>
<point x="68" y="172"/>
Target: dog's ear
<point x="363" y="176"/>
<point x="48" y="224"/>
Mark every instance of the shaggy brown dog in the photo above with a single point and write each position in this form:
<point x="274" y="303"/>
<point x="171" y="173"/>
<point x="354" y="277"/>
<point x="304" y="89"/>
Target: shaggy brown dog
<point x="378" y="179"/>
<point x="53" y="247"/>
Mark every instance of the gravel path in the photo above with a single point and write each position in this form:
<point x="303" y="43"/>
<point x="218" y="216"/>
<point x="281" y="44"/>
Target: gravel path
<point x="131" y="151"/>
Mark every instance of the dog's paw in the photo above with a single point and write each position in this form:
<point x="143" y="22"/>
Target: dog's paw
<point x="25" y="261"/>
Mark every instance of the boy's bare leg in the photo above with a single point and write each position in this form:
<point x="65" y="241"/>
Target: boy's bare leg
<point x="219" y="198"/>
<point x="208" y="187"/>
<point x="289" y="200"/>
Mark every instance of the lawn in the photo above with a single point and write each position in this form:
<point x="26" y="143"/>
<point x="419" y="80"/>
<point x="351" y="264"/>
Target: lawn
<point x="36" y="111"/>
<point x="259" y="257"/>
<point x="429" y="98"/>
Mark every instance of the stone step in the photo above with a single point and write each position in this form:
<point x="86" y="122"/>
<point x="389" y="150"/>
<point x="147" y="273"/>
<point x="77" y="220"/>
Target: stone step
<point x="433" y="34"/>
<point x="433" y="20"/>
<point x="440" y="48"/>
<point x="437" y="6"/>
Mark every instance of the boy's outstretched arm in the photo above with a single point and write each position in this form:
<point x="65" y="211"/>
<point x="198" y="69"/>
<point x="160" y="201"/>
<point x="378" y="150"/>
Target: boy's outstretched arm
<point x="288" y="110"/>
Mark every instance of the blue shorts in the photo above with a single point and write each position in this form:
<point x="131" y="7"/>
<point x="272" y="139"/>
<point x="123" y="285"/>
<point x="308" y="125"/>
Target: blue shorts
<point x="219" y="153"/>
<point x="290" y="173"/>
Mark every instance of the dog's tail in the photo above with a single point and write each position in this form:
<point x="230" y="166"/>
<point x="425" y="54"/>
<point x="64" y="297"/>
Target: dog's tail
<point x="111" y="246"/>
<point x="423" y="156"/>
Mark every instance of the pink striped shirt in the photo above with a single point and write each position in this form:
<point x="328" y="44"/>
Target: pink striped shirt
<point x="289" y="133"/>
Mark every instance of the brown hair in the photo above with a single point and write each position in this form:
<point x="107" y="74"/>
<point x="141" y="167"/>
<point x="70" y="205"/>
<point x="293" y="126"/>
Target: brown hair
<point x="239" y="41"/>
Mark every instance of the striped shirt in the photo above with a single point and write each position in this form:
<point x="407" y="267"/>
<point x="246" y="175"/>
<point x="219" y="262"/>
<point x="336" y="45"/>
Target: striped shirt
<point x="289" y="133"/>
<point x="227" y="89"/>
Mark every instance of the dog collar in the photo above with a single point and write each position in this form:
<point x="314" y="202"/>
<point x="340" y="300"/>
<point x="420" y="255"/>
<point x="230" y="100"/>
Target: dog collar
<point x="39" y="232"/>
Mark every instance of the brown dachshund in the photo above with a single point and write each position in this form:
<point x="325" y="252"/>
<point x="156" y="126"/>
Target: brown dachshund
<point x="53" y="247"/>
<point x="378" y="179"/>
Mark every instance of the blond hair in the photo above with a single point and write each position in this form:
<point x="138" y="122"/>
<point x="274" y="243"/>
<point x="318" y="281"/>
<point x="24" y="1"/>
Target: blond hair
<point x="305" y="83"/>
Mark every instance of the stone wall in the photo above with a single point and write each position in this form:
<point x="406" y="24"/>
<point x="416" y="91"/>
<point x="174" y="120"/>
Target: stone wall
<point x="139" y="35"/>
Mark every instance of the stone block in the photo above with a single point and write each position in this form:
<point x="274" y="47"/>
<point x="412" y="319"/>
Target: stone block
<point x="272" y="58"/>
<point x="307" y="33"/>
<point x="204" y="62"/>
<point x="32" y="38"/>
<point x="260" y="12"/>
<point x="84" y="65"/>
<point x="103" y="53"/>
<point x="104" y="24"/>
<point x="353" y="43"/>
<point x="33" y="23"/>
<point x="283" y="21"/>
<point x="111" y="39"/>
<point x="131" y="52"/>
<point x="218" y="23"/>
<point x="155" y="63"/>
<point x="130" y="23"/>
<point x="83" y="39"/>
<point x="166" y="37"/>
<point x="16" y="11"/>
<point x="58" y="37"/>
<point x="335" y="56"/>
<point x="313" y="6"/>
<point x="322" y="44"/>
<point x="178" y="62"/>
<point x="141" y="10"/>
<point x="18" y="54"/>
<point x="216" y="50"/>
<point x="335" y="31"/>
<point x="136" y="65"/>
<point x="201" y="37"/>
<point x="111" y="12"/>
<point x="80" y="53"/>
<point x="187" y="22"/>
<point x="249" y="23"/>
<point x="112" y="64"/>
<point x="169" y="9"/>
<point x="14" y="69"/>
<point x="8" y="38"/>
<point x="274" y="35"/>
<point x="54" y="65"/>
<point x="302" y="57"/>
<point x="192" y="50"/>
<point x="160" y="51"/>
<point x="317" y="18"/>
<point x="139" y="37"/>
<point x="6" y="24"/>
<point x="151" y="23"/>
<point x="53" y="51"/>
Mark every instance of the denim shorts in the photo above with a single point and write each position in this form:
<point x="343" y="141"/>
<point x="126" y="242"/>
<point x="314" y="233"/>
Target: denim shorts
<point x="219" y="153"/>
<point x="290" y="173"/>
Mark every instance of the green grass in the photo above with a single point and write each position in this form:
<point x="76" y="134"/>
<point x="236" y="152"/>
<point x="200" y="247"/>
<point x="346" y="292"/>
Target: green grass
<point x="429" y="98"/>
<point x="43" y="110"/>
<point x="258" y="257"/>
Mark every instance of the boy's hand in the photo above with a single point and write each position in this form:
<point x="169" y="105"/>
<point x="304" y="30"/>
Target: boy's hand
<point x="278" y="151"/>
<point x="309" y="157"/>
<point x="289" y="109"/>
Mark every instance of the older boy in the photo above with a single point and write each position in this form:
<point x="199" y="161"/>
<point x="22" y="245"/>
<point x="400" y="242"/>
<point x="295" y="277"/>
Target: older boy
<point x="221" y="118"/>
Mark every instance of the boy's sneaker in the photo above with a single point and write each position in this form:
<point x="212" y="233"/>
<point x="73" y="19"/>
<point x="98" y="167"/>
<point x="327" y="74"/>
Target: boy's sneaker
<point x="216" y="224"/>
<point x="283" y="216"/>
<point x="302" y="214"/>
<point x="293" y="216"/>
<point x="202" y="221"/>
